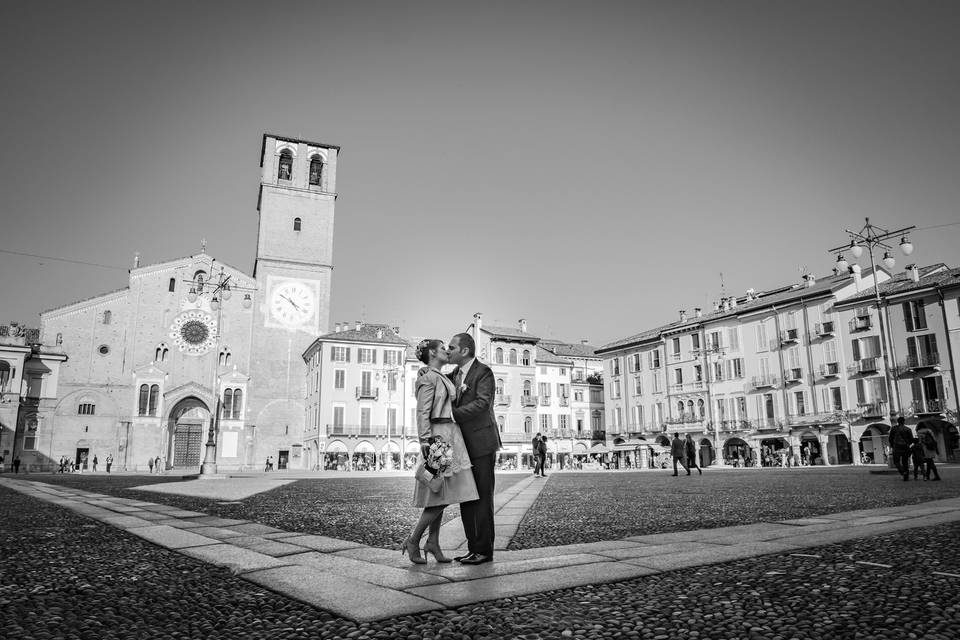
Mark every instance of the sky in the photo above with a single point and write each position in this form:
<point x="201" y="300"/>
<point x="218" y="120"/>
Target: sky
<point x="590" y="167"/>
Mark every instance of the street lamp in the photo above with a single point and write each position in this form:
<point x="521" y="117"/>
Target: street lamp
<point x="393" y="374"/>
<point x="872" y="237"/>
<point x="217" y="290"/>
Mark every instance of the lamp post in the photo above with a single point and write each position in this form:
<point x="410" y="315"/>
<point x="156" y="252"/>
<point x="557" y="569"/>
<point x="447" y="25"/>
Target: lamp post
<point x="872" y="237"/>
<point x="219" y="291"/>
<point x="392" y="375"/>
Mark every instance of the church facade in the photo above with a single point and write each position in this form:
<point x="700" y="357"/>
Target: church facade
<point x="193" y="344"/>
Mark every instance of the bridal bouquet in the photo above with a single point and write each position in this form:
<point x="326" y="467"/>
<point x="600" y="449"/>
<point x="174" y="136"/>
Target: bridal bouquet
<point x="438" y="461"/>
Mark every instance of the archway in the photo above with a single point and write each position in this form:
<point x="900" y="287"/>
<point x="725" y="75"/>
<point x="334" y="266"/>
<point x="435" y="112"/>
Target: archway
<point x="810" y="451"/>
<point x="736" y="452"/>
<point x="188" y="422"/>
<point x="706" y="453"/>
<point x="873" y="444"/>
<point x="774" y="452"/>
<point x="389" y="457"/>
<point x="838" y="448"/>
<point x="335" y="457"/>
<point x="663" y="441"/>
<point x="364" y="457"/>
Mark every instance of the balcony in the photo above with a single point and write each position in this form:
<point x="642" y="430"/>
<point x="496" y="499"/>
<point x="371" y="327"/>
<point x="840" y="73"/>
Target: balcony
<point x="367" y="393"/>
<point x="790" y="336"/>
<point x="768" y="423"/>
<point x="528" y="401"/>
<point x="830" y="370"/>
<point x="825" y="329"/>
<point x="364" y="430"/>
<point x="764" y="382"/>
<point x="686" y="418"/>
<point x="736" y="425"/>
<point x="814" y="418"/>
<point x="921" y="361"/>
<point x="564" y="401"/>
<point x="861" y="323"/>
<point x="544" y="401"/>
<point x="676" y="388"/>
<point x="697" y="385"/>
<point x="921" y="407"/>
<point x="515" y="437"/>
<point x="501" y="399"/>
<point x="865" y="366"/>
<point x="872" y="409"/>
<point x="562" y="433"/>
<point x="793" y="375"/>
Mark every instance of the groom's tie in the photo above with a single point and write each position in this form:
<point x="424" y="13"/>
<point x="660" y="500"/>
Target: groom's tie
<point x="459" y="383"/>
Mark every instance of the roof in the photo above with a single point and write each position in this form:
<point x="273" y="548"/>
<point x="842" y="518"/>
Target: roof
<point x="935" y="275"/>
<point x="544" y="356"/>
<point x="263" y="144"/>
<point x="508" y="333"/>
<point x="777" y="296"/>
<point x="569" y="349"/>
<point x="366" y="333"/>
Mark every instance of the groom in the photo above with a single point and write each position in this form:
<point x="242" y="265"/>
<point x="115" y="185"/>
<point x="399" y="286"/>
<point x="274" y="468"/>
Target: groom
<point x="473" y="411"/>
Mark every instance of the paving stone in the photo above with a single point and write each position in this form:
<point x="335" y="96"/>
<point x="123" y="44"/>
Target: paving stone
<point x="322" y="543"/>
<point x="147" y="515"/>
<point x="644" y="550"/>
<point x="807" y="521"/>
<point x="254" y="529"/>
<point x="717" y="553"/>
<point x="518" y="584"/>
<point x="214" y="521"/>
<point x="171" y="538"/>
<point x="459" y="572"/>
<point x="127" y="522"/>
<point x="282" y="534"/>
<point x="217" y="533"/>
<point x="262" y="545"/>
<point x="549" y="552"/>
<point x="179" y="524"/>
<point x="91" y="511"/>
<point x="345" y="597"/>
<point x="237" y="559"/>
<point x="392" y="577"/>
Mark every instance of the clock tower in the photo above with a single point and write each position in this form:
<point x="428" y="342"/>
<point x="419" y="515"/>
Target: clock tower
<point x="293" y="270"/>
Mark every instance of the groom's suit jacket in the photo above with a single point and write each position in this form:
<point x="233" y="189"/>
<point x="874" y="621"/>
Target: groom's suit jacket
<point x="473" y="411"/>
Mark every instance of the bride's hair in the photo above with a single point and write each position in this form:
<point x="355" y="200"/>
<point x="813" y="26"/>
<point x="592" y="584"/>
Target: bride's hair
<point x="424" y="349"/>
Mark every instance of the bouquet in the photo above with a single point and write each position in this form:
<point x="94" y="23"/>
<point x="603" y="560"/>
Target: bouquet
<point x="436" y="464"/>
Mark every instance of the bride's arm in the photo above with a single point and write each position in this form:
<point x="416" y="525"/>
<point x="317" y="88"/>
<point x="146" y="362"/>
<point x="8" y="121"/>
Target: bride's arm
<point x="426" y="389"/>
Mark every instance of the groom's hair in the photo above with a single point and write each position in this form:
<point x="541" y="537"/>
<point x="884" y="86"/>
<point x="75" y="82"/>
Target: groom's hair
<point x="465" y="340"/>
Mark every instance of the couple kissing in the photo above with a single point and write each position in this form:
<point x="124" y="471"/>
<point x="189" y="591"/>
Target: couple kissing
<point x="459" y="439"/>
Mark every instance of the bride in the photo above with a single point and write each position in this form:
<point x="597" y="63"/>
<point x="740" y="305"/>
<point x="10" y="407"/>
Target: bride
<point x="435" y="394"/>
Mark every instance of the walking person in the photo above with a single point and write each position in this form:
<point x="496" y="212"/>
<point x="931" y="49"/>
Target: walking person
<point x="691" y="448"/>
<point x="679" y="452"/>
<point x="16" y="464"/>
<point x="543" y="456"/>
<point x="473" y="411"/>
<point x="156" y="464"/>
<point x="150" y="464"/>
<point x="535" y="447"/>
<point x="900" y="440"/>
<point x="94" y="463"/>
<point x="930" y="450"/>
<point x="916" y="456"/>
<point x="435" y="394"/>
<point x="109" y="461"/>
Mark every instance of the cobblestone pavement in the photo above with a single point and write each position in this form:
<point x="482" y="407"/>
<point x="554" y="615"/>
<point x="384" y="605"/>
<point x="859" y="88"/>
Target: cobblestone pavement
<point x="581" y="507"/>
<point x="66" y="576"/>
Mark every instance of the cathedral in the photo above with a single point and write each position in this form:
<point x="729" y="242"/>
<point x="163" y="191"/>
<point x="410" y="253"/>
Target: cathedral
<point x="193" y="348"/>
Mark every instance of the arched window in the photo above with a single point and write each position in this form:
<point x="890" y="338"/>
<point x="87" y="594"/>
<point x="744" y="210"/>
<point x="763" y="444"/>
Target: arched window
<point x="690" y="408"/>
<point x="528" y="425"/>
<point x="296" y="224"/>
<point x="227" y="411"/>
<point x="144" y="398"/>
<point x="106" y="317"/>
<point x="285" y="166"/>
<point x="702" y="408"/>
<point x="499" y="386"/>
<point x="224" y="358"/>
<point x="498" y="355"/>
<point x="526" y="387"/>
<point x="86" y="408"/>
<point x="5" y="375"/>
<point x="526" y="357"/>
<point x="680" y="407"/>
<point x="500" y="422"/>
<point x="513" y="356"/>
<point x="237" y="403"/>
<point x="172" y="286"/>
<point x="316" y="170"/>
<point x="154" y="399"/>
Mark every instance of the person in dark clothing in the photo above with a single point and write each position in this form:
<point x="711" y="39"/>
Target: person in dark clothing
<point x="543" y="456"/>
<point x="916" y="456"/>
<point x="900" y="440"/>
<point x="537" y="465"/>
<point x="691" y="448"/>
<point x="679" y="453"/>
<point x="16" y="465"/>
<point x="929" y="451"/>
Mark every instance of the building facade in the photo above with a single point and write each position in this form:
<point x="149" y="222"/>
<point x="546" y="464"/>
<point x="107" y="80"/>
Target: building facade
<point x="155" y="368"/>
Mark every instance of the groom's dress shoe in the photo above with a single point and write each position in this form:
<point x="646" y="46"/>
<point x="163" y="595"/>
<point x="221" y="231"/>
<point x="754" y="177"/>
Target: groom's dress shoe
<point x="463" y="557"/>
<point x="476" y="558"/>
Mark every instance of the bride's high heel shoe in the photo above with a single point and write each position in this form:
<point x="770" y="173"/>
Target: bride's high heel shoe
<point x="434" y="548"/>
<point x="410" y="548"/>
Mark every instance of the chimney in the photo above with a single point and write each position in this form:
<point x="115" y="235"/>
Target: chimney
<point x="136" y="259"/>
<point x="396" y="330"/>
<point x="726" y="304"/>
<point x="809" y="279"/>
<point x="358" y="325"/>
<point x="698" y="311"/>
<point x="523" y="325"/>
<point x="855" y="270"/>
<point x="584" y="341"/>
<point x="751" y="294"/>
<point x="477" y="324"/>
<point x="683" y="315"/>
<point x="336" y="328"/>
<point x="379" y="333"/>
<point x="913" y="272"/>
<point x="733" y="302"/>
<point x="716" y="305"/>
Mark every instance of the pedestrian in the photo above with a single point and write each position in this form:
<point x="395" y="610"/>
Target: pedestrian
<point x="691" y="448"/>
<point x="266" y="464"/>
<point x="930" y="450"/>
<point x="543" y="456"/>
<point x="150" y="464"/>
<point x="63" y="463"/>
<point x="900" y="439"/>
<point x="535" y="447"/>
<point x="805" y="455"/>
<point x="94" y="463"/>
<point x="156" y="463"/>
<point x="916" y="456"/>
<point x="1" y="463"/>
<point x="16" y="464"/>
<point x="679" y="452"/>
<point x="109" y="461"/>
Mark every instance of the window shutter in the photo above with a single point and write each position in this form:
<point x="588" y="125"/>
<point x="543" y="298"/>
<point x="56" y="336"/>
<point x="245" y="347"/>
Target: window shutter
<point x="373" y="354"/>
<point x="916" y="389"/>
<point x="912" y="348"/>
<point x="908" y="316"/>
<point x="856" y="349"/>
<point x="861" y="393"/>
<point x="333" y="351"/>
<point x="932" y="344"/>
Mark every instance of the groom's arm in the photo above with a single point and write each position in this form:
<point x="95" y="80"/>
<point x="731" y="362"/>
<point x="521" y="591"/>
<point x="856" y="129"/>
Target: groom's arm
<point x="481" y="404"/>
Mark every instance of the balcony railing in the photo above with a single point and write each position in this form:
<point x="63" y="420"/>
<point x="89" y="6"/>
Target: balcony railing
<point x="861" y="323"/>
<point x="872" y="409"/>
<point x="929" y="406"/>
<point x="564" y="433"/>
<point x="676" y="388"/>
<point x="544" y="401"/>
<point x="793" y="375"/>
<point x="528" y="401"/>
<point x="825" y="329"/>
<point x="736" y="425"/>
<point x="686" y="418"/>
<point x="830" y="370"/>
<point x="515" y="436"/>
<point x="768" y="423"/>
<point x="764" y="382"/>
<point x="365" y="430"/>
<point x="564" y="401"/>
<point x="501" y="399"/>
<point x="368" y="393"/>
<point x="921" y="361"/>
<point x="865" y="365"/>
<point x="697" y="385"/>
<point x="790" y="336"/>
<point x="814" y="418"/>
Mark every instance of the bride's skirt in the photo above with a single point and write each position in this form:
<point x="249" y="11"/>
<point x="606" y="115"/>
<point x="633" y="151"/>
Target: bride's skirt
<point x="458" y="484"/>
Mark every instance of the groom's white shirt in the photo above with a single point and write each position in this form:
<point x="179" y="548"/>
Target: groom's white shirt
<point x="466" y="369"/>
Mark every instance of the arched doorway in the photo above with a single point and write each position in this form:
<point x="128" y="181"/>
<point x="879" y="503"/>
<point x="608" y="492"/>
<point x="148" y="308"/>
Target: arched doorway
<point x="773" y="452"/>
<point x="335" y="457"/>
<point x="187" y="430"/>
<point x="736" y="452"/>
<point x="873" y="444"/>
<point x="810" y="452"/>
<point x="838" y="448"/>
<point x="364" y="457"/>
<point x="390" y="456"/>
<point x="706" y="453"/>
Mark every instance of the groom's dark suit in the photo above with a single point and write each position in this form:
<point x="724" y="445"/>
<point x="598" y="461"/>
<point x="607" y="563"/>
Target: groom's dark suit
<point x="473" y="411"/>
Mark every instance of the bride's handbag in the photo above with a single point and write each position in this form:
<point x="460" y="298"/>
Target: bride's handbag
<point x="426" y="477"/>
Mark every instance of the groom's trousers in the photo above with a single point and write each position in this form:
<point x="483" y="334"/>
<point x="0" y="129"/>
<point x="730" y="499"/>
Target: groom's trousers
<point x="477" y="515"/>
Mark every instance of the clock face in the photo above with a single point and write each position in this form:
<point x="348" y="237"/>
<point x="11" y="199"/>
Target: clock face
<point x="292" y="303"/>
